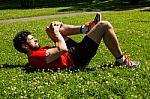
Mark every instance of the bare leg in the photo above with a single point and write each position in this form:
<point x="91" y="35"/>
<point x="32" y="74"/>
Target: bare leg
<point x="105" y="30"/>
<point x="67" y="30"/>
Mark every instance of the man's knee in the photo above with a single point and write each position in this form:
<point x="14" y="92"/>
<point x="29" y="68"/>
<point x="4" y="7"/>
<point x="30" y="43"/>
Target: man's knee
<point x="105" y="24"/>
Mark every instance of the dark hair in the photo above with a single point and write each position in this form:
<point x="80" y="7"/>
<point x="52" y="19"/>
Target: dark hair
<point x="20" y="39"/>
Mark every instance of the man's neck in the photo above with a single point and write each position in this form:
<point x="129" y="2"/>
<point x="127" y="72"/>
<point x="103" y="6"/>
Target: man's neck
<point x="29" y="52"/>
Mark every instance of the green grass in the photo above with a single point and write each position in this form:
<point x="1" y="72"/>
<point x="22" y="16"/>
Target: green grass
<point x="101" y="81"/>
<point x="11" y="9"/>
<point x="19" y="13"/>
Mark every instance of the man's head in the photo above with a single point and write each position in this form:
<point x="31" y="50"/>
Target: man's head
<point x="24" y="41"/>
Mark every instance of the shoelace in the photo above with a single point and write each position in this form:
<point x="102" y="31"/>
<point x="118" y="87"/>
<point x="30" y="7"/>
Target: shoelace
<point x="89" y="23"/>
<point x="129" y="62"/>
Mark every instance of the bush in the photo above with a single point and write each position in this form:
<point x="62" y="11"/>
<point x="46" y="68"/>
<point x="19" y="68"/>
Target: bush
<point x="134" y="1"/>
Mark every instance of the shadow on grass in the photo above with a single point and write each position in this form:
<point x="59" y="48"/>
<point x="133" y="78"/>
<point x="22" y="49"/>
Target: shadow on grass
<point x="28" y="69"/>
<point x="10" y="66"/>
<point x="79" y="5"/>
<point x="146" y="10"/>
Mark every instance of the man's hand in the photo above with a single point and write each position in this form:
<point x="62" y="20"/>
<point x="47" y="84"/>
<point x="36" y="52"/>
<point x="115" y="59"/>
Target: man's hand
<point x="53" y="29"/>
<point x="56" y="25"/>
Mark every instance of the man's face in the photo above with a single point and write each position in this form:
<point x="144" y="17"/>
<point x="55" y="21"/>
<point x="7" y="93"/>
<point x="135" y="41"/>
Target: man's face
<point x="32" y="43"/>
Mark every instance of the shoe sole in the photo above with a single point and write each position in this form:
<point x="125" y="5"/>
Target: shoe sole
<point x="97" y="18"/>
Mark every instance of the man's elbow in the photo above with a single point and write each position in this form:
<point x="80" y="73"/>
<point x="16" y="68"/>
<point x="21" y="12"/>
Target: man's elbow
<point x="64" y="49"/>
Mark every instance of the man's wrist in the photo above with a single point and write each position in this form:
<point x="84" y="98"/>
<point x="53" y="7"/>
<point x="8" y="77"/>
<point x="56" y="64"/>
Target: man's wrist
<point x="56" y="30"/>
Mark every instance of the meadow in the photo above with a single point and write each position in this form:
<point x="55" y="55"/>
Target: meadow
<point x="10" y="9"/>
<point x="17" y="13"/>
<point x="101" y="80"/>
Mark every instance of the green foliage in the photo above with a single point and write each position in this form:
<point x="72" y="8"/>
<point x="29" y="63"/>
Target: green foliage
<point x="27" y="3"/>
<point x="100" y="81"/>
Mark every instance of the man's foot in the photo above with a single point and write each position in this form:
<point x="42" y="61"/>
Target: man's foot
<point x="97" y="19"/>
<point x="127" y="62"/>
<point x="87" y="26"/>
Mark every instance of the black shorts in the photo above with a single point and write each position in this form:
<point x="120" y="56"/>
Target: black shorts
<point x="82" y="52"/>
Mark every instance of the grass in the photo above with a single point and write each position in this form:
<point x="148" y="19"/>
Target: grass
<point x="11" y="9"/>
<point x="100" y="81"/>
<point x="17" y="13"/>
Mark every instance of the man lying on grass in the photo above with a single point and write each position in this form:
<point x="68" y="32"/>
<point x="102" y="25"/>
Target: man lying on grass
<point x="67" y="53"/>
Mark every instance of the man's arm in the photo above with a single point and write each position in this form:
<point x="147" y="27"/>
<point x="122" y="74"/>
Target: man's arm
<point x="54" y="53"/>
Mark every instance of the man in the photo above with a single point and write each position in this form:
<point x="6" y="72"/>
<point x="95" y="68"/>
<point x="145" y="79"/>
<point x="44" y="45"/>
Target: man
<point x="67" y="53"/>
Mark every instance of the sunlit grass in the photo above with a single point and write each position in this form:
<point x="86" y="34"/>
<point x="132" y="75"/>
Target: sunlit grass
<point x="101" y="81"/>
<point x="12" y="8"/>
<point x="20" y="13"/>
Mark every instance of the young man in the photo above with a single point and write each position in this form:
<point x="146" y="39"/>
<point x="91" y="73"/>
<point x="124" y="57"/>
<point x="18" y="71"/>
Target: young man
<point x="67" y="53"/>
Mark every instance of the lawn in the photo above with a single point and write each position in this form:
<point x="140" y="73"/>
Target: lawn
<point x="99" y="81"/>
<point x="17" y="13"/>
<point x="10" y="9"/>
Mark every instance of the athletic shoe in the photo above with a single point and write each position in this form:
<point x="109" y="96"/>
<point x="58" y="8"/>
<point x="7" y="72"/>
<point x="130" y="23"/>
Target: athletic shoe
<point x="97" y="19"/>
<point x="128" y="63"/>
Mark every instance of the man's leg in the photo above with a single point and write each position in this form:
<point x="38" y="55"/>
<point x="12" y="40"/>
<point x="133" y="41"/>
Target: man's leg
<point x="105" y="30"/>
<point x="67" y="30"/>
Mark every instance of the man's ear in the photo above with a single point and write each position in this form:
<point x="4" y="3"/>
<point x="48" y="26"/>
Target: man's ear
<point x="25" y="46"/>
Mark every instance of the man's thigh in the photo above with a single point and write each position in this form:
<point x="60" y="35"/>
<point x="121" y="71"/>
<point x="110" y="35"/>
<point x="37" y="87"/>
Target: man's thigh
<point x="70" y="43"/>
<point x="97" y="32"/>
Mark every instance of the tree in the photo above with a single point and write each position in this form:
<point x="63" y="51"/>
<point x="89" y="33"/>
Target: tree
<point x="25" y="4"/>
